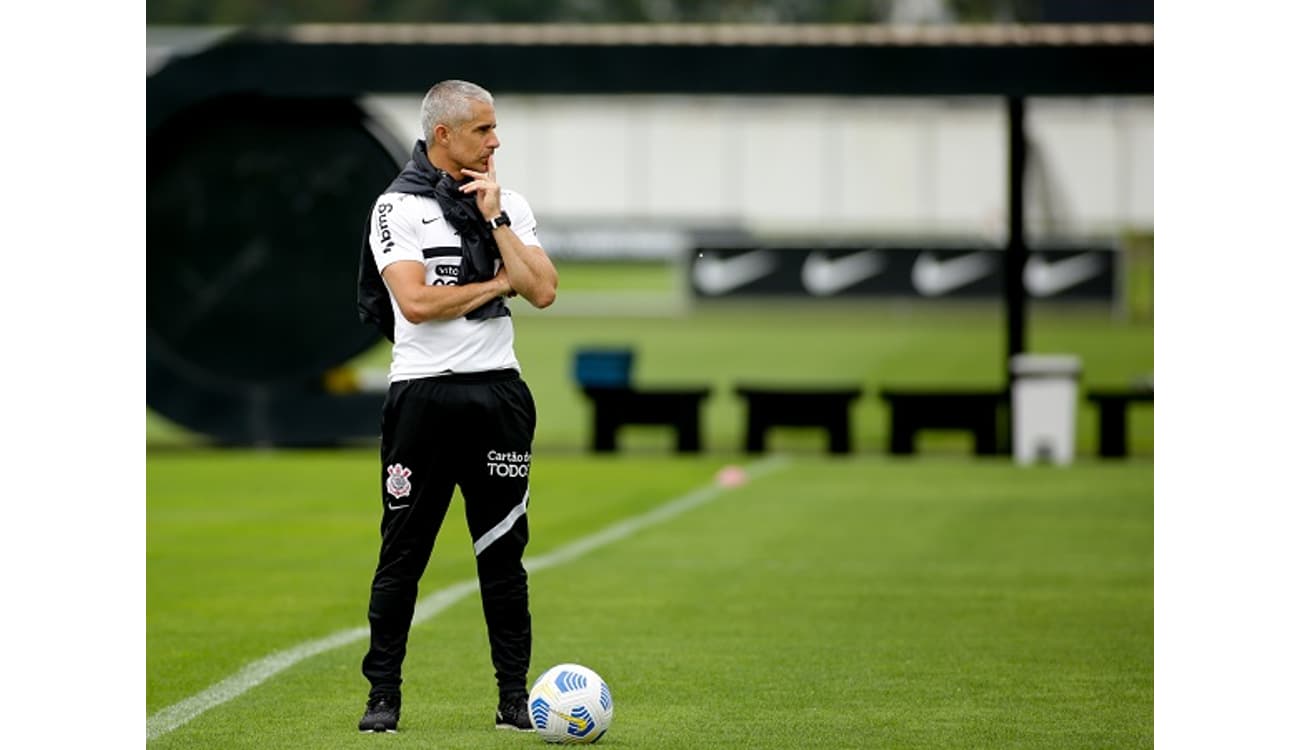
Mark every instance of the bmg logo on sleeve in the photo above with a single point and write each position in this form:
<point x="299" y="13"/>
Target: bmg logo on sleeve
<point x="508" y="464"/>
<point x="385" y="233"/>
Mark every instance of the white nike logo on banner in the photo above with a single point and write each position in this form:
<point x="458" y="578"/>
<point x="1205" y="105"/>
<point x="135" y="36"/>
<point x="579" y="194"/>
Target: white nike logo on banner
<point x="714" y="275"/>
<point x="933" y="277"/>
<point x="1043" y="279"/>
<point x="824" y="276"/>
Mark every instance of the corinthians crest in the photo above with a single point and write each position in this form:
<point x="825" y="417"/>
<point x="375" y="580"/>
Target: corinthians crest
<point x="398" y="484"/>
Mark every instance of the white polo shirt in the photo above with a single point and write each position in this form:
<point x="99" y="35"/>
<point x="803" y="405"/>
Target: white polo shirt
<point x="412" y="227"/>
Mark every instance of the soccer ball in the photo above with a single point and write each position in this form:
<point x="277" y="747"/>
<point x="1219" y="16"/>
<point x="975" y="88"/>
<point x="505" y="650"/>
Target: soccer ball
<point x="571" y="704"/>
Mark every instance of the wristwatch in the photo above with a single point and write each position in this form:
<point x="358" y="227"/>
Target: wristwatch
<point x="502" y="220"/>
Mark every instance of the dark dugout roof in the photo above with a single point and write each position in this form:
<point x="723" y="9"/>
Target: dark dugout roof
<point x="345" y="60"/>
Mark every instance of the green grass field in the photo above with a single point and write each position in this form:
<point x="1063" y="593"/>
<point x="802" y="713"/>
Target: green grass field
<point x="934" y="602"/>
<point x="861" y="602"/>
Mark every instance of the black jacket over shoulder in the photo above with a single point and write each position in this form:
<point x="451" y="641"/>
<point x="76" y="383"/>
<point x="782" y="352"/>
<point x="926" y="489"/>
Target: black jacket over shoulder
<point x="479" y="250"/>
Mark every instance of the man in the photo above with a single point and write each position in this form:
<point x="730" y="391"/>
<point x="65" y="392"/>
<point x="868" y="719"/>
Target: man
<point x="450" y="246"/>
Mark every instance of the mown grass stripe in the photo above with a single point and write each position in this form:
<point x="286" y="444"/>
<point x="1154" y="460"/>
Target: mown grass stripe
<point x="180" y="713"/>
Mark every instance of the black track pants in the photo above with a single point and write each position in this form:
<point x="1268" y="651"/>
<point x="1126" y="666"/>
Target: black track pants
<point x="475" y="431"/>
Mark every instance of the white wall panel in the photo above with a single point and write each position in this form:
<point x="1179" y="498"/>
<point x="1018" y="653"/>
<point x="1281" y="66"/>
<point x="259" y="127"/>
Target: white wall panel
<point x="682" y="167"/>
<point x="821" y="164"/>
<point x="1091" y="169"/>
<point x="969" y="168"/>
<point x="877" y="147"/>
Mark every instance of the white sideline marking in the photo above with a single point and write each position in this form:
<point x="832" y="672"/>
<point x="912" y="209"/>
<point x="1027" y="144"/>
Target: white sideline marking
<point x="254" y="674"/>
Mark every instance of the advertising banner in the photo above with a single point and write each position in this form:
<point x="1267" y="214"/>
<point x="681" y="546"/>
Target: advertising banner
<point x="1056" y="272"/>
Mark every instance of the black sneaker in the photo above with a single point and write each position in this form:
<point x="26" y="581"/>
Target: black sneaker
<point x="381" y="714"/>
<point x="512" y="713"/>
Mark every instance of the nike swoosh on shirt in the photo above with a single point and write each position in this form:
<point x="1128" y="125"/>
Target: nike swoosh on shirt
<point x="933" y="277"/>
<point x="429" y="221"/>
<point x="824" y="276"/>
<point x="715" y="275"/>
<point x="1043" y="279"/>
<point x="398" y="507"/>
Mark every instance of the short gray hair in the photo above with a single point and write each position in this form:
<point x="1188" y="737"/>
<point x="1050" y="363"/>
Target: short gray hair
<point x="448" y="102"/>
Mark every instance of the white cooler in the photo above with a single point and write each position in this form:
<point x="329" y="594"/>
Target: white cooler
<point x="1044" y="405"/>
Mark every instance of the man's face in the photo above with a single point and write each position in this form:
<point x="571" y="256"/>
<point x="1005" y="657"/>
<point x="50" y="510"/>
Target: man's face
<point x="473" y="141"/>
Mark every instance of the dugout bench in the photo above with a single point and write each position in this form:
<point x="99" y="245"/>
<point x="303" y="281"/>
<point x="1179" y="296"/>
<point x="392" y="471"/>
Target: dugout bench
<point x="982" y="413"/>
<point x="1112" y="411"/>
<point x="604" y="375"/>
<point x="797" y="406"/>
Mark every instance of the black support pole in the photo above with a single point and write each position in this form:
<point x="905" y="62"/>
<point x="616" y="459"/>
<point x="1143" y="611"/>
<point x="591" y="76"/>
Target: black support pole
<point x="1016" y="252"/>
